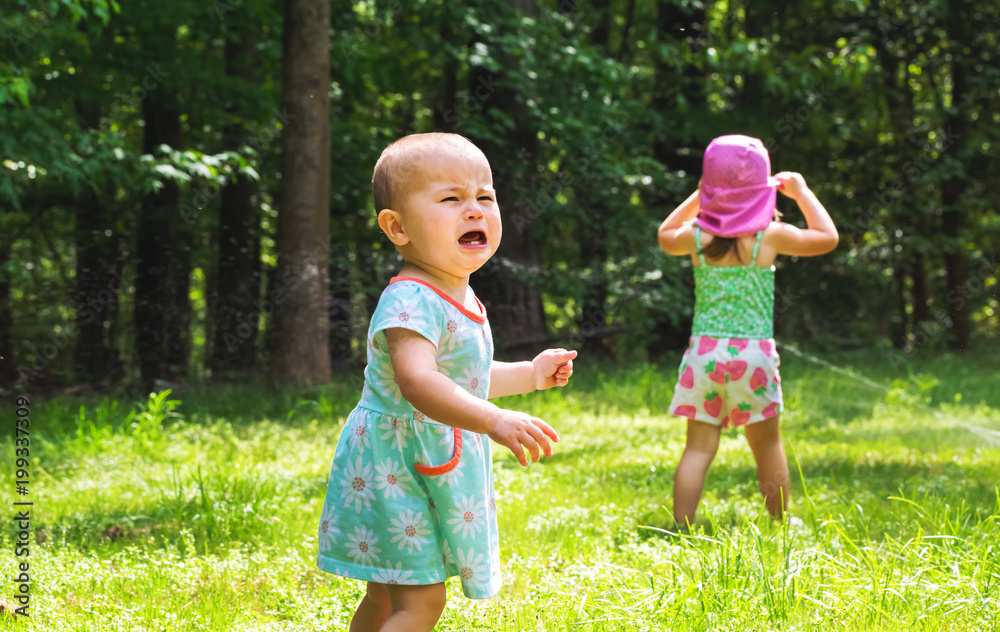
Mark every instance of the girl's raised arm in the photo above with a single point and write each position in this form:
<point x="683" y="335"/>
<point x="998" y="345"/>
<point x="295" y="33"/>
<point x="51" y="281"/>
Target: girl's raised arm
<point x="676" y="238"/>
<point x="821" y="235"/>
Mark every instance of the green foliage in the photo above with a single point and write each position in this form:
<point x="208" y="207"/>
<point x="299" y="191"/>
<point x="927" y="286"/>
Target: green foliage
<point x="612" y="102"/>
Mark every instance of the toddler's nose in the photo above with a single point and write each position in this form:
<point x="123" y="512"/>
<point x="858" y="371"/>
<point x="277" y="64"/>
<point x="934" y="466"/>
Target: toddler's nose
<point x="474" y="210"/>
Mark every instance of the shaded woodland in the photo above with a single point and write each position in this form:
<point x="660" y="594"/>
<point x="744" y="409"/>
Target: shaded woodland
<point x="185" y="186"/>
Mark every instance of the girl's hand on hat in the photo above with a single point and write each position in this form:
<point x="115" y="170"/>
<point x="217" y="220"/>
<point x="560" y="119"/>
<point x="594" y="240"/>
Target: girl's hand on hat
<point x="792" y="184"/>
<point x="553" y="367"/>
<point x="517" y="431"/>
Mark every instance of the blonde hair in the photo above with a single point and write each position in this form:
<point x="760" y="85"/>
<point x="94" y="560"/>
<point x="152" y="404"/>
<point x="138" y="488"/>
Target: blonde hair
<point x="403" y="158"/>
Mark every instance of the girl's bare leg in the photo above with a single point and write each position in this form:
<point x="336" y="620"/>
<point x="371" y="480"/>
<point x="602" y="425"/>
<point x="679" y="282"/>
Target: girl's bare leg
<point x="373" y="611"/>
<point x="415" y="608"/>
<point x="689" y="480"/>
<point x="772" y="466"/>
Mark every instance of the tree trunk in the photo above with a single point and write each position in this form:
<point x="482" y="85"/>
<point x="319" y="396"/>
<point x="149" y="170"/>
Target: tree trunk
<point x="601" y="35"/>
<point x="514" y="306"/>
<point x="340" y="312"/>
<point x="98" y="283"/>
<point x="921" y="298"/>
<point x="179" y="312"/>
<point x="237" y="280"/>
<point x="98" y="280"/>
<point x="953" y="190"/>
<point x="302" y="336"/>
<point x="900" y="322"/>
<point x="154" y="284"/>
<point x="623" y="49"/>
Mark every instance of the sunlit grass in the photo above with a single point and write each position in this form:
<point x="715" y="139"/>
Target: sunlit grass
<point x="197" y="510"/>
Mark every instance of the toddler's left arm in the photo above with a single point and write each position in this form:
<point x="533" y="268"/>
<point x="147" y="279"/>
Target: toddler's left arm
<point x="552" y="367"/>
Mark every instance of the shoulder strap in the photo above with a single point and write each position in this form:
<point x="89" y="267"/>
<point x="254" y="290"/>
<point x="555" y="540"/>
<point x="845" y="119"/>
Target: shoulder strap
<point x="756" y="247"/>
<point x="697" y="241"/>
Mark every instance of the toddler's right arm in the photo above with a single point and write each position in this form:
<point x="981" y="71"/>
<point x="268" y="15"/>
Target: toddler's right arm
<point x="434" y="394"/>
<point x="821" y="235"/>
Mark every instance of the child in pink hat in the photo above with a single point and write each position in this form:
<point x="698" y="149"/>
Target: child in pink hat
<point x="729" y="373"/>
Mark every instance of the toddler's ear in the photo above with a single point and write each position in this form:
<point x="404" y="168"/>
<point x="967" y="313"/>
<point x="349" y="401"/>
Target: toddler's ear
<point x="392" y="225"/>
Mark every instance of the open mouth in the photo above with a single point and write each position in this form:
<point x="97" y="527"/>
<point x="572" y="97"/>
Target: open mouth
<point x="473" y="238"/>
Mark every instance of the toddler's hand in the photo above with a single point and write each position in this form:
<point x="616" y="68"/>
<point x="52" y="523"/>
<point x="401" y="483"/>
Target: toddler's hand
<point x="514" y="430"/>
<point x="792" y="184"/>
<point x="553" y="367"/>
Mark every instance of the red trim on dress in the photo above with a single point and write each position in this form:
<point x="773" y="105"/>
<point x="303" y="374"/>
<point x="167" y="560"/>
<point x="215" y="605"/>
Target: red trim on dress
<point x="438" y="470"/>
<point x="479" y="318"/>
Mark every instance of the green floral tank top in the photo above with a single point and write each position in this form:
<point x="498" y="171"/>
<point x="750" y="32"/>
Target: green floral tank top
<point x="733" y="302"/>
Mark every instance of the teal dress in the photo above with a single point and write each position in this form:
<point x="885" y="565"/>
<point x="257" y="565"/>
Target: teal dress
<point x="410" y="500"/>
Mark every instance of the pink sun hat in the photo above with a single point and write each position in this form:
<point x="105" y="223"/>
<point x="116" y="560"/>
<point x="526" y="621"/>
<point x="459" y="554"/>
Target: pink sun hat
<point x="737" y="190"/>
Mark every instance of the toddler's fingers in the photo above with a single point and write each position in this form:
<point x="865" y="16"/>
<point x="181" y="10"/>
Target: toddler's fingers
<point x="546" y="428"/>
<point x="532" y="445"/>
<point x="518" y="454"/>
<point x="539" y="439"/>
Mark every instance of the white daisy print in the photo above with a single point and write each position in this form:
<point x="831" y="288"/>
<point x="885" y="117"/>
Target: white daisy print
<point x="410" y="530"/>
<point x="390" y="575"/>
<point x="403" y="311"/>
<point x="333" y="468"/>
<point x="392" y="478"/>
<point x="445" y="366"/>
<point x="397" y="430"/>
<point x="451" y="477"/>
<point x="328" y="530"/>
<point x="359" y="436"/>
<point x="447" y="433"/>
<point x="450" y="338"/>
<point x="471" y="567"/>
<point x="471" y="380"/>
<point x="447" y="556"/>
<point x="357" y="485"/>
<point x="361" y="546"/>
<point x="386" y="383"/>
<point x="468" y="517"/>
<point x="476" y="446"/>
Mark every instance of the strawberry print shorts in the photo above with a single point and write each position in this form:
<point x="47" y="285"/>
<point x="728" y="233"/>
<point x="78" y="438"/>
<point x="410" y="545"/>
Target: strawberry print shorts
<point x="728" y="381"/>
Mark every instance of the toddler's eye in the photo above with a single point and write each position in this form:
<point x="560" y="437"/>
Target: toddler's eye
<point x="450" y="199"/>
<point x="485" y="197"/>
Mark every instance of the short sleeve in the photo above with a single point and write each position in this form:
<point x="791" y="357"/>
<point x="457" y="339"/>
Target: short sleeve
<point x="411" y="306"/>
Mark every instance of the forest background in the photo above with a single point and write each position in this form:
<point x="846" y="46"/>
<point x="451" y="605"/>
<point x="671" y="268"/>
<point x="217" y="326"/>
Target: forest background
<point x="169" y="172"/>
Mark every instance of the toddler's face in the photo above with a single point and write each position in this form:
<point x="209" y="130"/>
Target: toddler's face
<point x="451" y="216"/>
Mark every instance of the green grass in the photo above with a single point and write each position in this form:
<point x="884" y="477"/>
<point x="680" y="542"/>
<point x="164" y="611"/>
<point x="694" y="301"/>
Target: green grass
<point x="200" y="514"/>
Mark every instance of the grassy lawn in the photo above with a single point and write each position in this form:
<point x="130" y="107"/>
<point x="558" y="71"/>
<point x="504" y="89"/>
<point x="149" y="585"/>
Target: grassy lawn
<point x="201" y="515"/>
